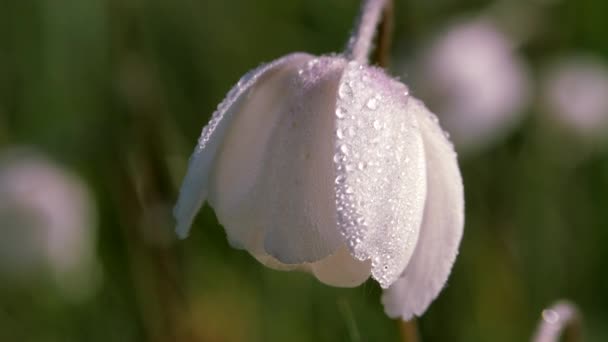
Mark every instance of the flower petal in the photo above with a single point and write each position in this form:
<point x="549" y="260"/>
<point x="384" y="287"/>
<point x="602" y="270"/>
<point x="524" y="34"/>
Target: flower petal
<point x="194" y="189"/>
<point x="380" y="171"/>
<point x="441" y="229"/>
<point x="341" y="269"/>
<point x="271" y="184"/>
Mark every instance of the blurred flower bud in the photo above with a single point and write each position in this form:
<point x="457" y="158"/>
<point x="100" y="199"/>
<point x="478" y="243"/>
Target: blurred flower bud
<point x="575" y="93"/>
<point x="475" y="82"/>
<point x="47" y="222"/>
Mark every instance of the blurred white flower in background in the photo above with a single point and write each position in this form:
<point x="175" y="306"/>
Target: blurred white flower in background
<point x="475" y="82"/>
<point x="47" y="222"/>
<point x="575" y="93"/>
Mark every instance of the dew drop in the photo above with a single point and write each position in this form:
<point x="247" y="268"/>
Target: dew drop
<point x="377" y="124"/>
<point x="340" y="179"/>
<point x="372" y="103"/>
<point x="344" y="149"/>
<point x="341" y="112"/>
<point x="340" y="133"/>
<point x="351" y="131"/>
<point x="338" y="158"/>
<point x="362" y="165"/>
<point x="345" y="91"/>
<point x="434" y="118"/>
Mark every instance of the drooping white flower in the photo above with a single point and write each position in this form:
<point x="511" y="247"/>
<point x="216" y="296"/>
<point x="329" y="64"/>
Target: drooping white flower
<point x="575" y="93"/>
<point x="47" y="222"/>
<point x="477" y="82"/>
<point x="328" y="165"/>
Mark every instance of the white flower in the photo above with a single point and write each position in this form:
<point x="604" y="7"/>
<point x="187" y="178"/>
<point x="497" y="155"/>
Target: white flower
<point x="477" y="82"/>
<point x="327" y="165"/>
<point x="47" y="221"/>
<point x="575" y="91"/>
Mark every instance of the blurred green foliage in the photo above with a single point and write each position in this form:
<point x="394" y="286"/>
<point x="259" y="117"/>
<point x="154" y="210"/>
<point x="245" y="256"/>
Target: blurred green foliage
<point x="119" y="90"/>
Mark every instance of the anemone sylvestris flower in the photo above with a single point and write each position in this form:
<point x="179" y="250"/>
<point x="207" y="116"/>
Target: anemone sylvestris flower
<point x="328" y="165"/>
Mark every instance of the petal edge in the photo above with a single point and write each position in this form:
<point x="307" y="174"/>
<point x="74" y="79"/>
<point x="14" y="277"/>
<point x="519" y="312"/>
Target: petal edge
<point x="441" y="229"/>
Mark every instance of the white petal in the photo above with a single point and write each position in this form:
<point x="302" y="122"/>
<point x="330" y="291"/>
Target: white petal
<point x="194" y="189"/>
<point x="341" y="269"/>
<point x="441" y="229"/>
<point x="270" y="262"/>
<point x="272" y="181"/>
<point x="380" y="168"/>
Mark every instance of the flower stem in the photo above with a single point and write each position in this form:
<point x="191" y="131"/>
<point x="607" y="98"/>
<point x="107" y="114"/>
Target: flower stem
<point x="360" y="42"/>
<point x="409" y="330"/>
<point x="560" y="319"/>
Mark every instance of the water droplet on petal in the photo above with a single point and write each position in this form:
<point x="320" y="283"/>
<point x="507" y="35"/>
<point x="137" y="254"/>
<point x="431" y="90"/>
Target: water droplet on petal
<point x="372" y="103"/>
<point x="345" y="91"/>
<point x="433" y="118"/>
<point x="341" y="112"/>
<point x="340" y="133"/>
<point x="344" y="149"/>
